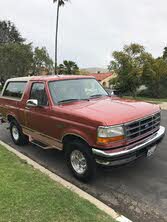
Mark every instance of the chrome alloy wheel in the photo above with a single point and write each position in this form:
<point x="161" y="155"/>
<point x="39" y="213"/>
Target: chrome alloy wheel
<point x="78" y="162"/>
<point x="15" y="133"/>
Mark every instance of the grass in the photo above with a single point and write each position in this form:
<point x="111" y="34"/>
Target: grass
<point x="26" y="195"/>
<point x="152" y="100"/>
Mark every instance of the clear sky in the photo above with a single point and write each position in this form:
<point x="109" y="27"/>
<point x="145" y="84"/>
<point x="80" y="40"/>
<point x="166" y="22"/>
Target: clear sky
<point x="90" y="30"/>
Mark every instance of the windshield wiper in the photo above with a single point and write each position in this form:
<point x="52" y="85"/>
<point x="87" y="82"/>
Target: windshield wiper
<point x="96" y="96"/>
<point x="71" y="100"/>
<point x="68" y="100"/>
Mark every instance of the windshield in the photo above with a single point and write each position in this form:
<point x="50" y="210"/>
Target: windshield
<point x="74" y="90"/>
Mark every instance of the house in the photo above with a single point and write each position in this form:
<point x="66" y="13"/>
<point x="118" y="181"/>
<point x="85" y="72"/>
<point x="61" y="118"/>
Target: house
<point x="104" y="78"/>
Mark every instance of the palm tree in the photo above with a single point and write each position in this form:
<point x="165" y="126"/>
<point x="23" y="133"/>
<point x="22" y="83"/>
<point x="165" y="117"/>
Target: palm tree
<point x="59" y="4"/>
<point x="68" y="68"/>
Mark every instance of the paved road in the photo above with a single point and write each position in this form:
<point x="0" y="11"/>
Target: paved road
<point x="138" y="190"/>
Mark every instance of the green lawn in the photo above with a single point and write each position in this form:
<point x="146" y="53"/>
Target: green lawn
<point x="152" y="100"/>
<point x="26" y="195"/>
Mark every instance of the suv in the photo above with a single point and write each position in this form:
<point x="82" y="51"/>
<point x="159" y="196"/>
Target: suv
<point x="76" y="115"/>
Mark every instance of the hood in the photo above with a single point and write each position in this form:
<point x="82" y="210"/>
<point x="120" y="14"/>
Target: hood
<point x="110" y="111"/>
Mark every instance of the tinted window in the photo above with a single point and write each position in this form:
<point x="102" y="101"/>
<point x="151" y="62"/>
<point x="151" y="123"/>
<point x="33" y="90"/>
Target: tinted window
<point x="38" y="92"/>
<point x="15" y="89"/>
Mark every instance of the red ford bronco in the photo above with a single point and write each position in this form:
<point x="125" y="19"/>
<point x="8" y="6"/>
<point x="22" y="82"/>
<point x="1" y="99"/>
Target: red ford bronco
<point x="76" y="115"/>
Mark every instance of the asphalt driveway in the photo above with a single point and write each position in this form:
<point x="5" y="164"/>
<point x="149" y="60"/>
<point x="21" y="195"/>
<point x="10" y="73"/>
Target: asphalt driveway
<point x="138" y="190"/>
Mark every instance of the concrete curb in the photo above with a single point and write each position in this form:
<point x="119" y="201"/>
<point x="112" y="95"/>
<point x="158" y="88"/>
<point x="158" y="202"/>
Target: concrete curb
<point x="68" y="185"/>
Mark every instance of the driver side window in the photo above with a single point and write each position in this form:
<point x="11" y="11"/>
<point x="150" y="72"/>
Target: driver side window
<point x="38" y="92"/>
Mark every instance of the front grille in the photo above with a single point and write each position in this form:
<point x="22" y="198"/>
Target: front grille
<point x="142" y="126"/>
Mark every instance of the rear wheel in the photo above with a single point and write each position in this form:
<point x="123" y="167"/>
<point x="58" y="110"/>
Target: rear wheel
<point x="17" y="135"/>
<point x="80" y="160"/>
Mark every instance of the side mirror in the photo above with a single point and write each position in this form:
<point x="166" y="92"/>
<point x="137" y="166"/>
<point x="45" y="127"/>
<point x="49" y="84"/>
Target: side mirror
<point x="110" y="92"/>
<point x="32" y="103"/>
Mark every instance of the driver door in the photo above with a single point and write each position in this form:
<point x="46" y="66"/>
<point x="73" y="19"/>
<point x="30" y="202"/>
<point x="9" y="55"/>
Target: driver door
<point x="38" y="118"/>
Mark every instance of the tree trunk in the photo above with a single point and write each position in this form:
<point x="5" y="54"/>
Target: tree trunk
<point x="56" y="37"/>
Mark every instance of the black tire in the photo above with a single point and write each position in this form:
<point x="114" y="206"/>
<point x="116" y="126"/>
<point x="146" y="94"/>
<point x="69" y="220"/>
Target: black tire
<point x="22" y="139"/>
<point x="85" y="150"/>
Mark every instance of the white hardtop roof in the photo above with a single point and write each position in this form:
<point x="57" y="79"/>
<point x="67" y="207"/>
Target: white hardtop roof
<point x="20" y="79"/>
<point x="46" y="78"/>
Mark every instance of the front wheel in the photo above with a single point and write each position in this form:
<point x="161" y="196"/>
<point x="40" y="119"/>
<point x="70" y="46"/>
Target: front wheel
<point x="17" y="135"/>
<point x="80" y="160"/>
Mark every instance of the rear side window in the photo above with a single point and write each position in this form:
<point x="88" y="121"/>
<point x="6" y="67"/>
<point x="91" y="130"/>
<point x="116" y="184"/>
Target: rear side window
<point x="15" y="89"/>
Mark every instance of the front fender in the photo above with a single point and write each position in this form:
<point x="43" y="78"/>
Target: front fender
<point x="88" y="136"/>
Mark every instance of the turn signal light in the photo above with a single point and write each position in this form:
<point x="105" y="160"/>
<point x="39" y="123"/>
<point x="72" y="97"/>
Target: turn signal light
<point x="110" y="140"/>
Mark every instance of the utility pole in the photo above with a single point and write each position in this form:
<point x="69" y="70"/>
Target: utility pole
<point x="56" y="37"/>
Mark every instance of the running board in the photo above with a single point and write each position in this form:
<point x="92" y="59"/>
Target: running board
<point x="41" y="145"/>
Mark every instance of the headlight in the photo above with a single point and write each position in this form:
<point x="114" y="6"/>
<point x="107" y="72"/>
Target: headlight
<point x="110" y="134"/>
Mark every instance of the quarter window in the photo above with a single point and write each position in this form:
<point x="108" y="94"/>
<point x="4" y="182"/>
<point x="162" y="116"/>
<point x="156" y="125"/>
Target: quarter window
<point x="38" y="92"/>
<point x="15" y="89"/>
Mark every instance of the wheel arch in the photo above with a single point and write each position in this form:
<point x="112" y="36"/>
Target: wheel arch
<point x="71" y="137"/>
<point x="11" y="117"/>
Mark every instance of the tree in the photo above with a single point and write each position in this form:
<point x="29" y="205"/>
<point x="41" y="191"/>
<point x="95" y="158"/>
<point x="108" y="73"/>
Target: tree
<point x="15" y="57"/>
<point x="59" y="4"/>
<point x="165" y="54"/>
<point x="128" y="65"/>
<point x="68" y="68"/>
<point x="15" y="60"/>
<point x="18" y="58"/>
<point x="41" y="60"/>
<point x="9" y="33"/>
<point x="155" y="78"/>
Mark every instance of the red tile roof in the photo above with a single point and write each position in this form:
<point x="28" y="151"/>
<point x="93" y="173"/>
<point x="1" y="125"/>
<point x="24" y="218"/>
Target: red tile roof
<point x="101" y="76"/>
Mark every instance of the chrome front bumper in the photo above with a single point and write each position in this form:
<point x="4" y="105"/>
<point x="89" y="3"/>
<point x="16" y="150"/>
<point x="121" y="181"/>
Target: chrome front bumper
<point x="125" y="156"/>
